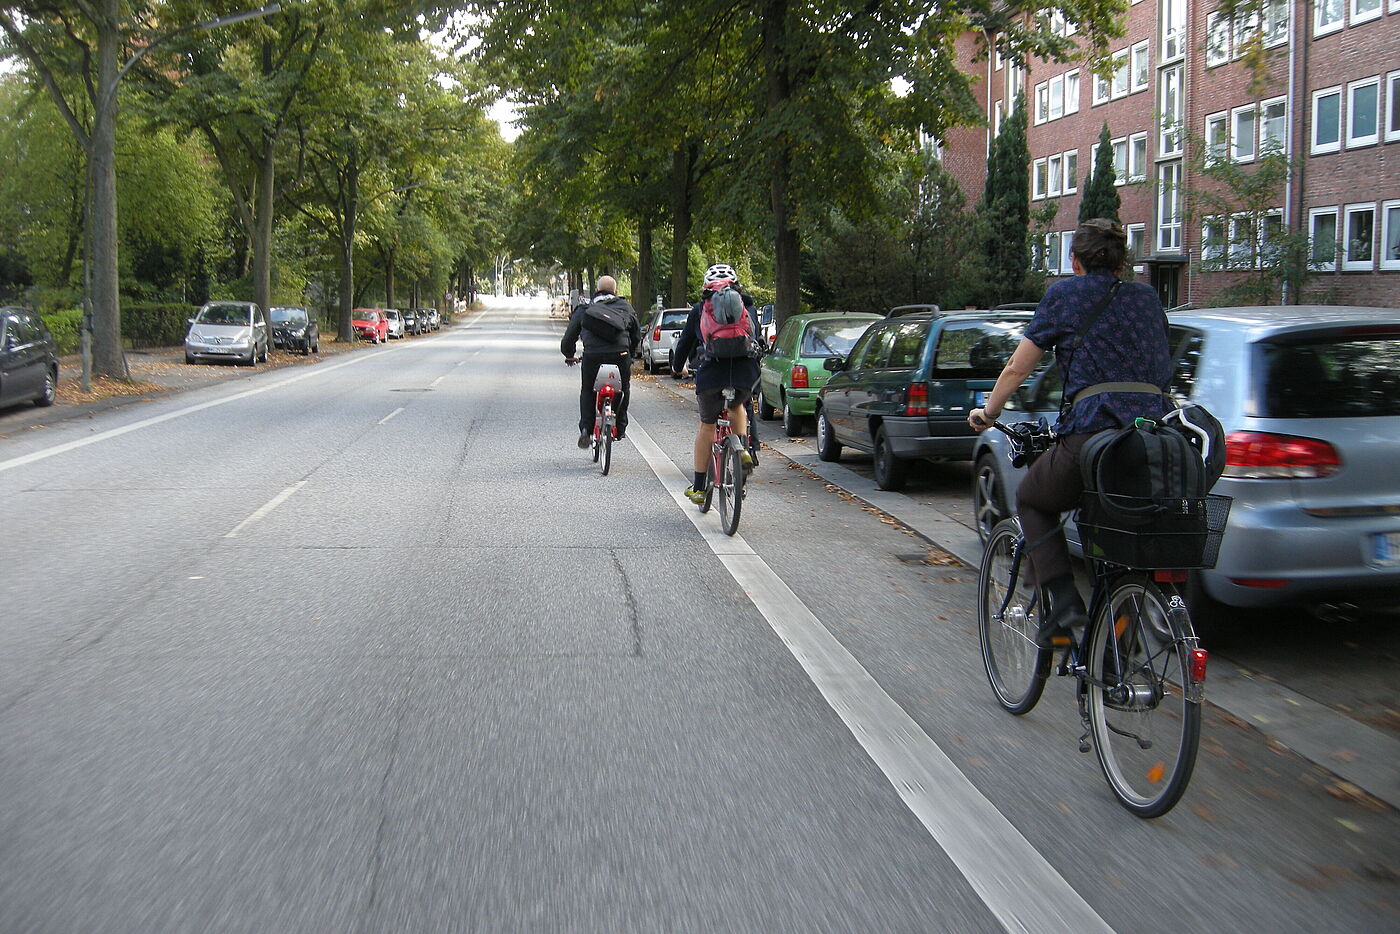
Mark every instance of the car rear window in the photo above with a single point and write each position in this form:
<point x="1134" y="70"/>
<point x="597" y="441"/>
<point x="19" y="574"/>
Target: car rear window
<point x="831" y="338"/>
<point x="366" y="316"/>
<point x="1336" y="376"/>
<point x="977" y="349"/>
<point x="674" y="320"/>
<point x="288" y="316"/>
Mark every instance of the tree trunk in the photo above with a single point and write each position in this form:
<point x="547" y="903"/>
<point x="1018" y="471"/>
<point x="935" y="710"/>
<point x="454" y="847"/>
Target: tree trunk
<point x="263" y="200"/>
<point x="680" y="223"/>
<point x="641" y="279"/>
<point x="350" y="204"/>
<point x="107" y="356"/>
<point x="787" y="248"/>
<point x="389" y="279"/>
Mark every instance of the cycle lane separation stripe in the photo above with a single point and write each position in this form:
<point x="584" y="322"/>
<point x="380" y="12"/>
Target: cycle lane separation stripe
<point x="266" y="508"/>
<point x="1017" y="884"/>
<point x="110" y="433"/>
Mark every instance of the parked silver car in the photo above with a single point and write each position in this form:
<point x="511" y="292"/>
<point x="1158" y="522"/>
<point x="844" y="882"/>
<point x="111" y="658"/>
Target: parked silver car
<point x="659" y="339"/>
<point x="1309" y="397"/>
<point x="396" y="326"/>
<point x="234" y="331"/>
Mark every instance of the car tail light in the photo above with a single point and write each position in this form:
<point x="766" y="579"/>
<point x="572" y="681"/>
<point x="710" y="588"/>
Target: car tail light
<point x="799" y="376"/>
<point x="1264" y="583"/>
<point x="1257" y="455"/>
<point x="917" y="403"/>
<point x="656" y="335"/>
<point x="1199" y="659"/>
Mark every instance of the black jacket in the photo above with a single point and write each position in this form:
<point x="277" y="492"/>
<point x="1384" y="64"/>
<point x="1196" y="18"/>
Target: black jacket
<point x="626" y="341"/>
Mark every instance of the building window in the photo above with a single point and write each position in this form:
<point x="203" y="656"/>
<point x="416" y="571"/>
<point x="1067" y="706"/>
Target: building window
<point x="1173" y="28"/>
<point x="1328" y="16"/>
<point x="1042" y="102"/>
<point x="1273" y="126"/>
<point x="1057" y="97"/>
<point x="1066" y="258"/>
<point x="1217" y="39"/>
<point x="1120" y="73"/>
<point x="1169" y="207"/>
<point x="1327" y="120"/>
<point x="1120" y="161"/>
<point x="996" y="51"/>
<point x="1072" y="91"/>
<point x="1137" y="157"/>
<point x="1359" y="251"/>
<point x="1015" y="84"/>
<point x="1390" y="235"/>
<point x="1241" y="248"/>
<point x="1051" y="253"/>
<point x="1246" y="27"/>
<point x="1276" y="13"/>
<point x="1071" y="162"/>
<point x="996" y="119"/>
<point x="1217" y="137"/>
<point x="1101" y="89"/>
<point x="1054" y="168"/>
<point x="1137" y="234"/>
<point x="1040" y="176"/>
<point x="1364" y="10"/>
<point x="1322" y="233"/>
<point x="1363" y="112"/>
<point x="1270" y="238"/>
<point x="1169" y="138"/>
<point x="1141" y="65"/>
<point x="1212" y="239"/>
<point x="1392" y="102"/>
<point x="1242" y="134"/>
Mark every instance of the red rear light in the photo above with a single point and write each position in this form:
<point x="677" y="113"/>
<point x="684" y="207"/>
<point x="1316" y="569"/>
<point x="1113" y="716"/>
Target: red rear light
<point x="1169" y="577"/>
<point x="917" y="403"/>
<point x="1258" y="455"/>
<point x="656" y="335"/>
<point x="799" y="376"/>
<point x="1199" y="658"/>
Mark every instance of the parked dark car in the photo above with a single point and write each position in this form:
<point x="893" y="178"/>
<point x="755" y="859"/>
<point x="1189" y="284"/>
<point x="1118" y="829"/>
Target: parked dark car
<point x="28" y="359"/>
<point x="411" y="321"/>
<point x="1309" y="397"/>
<point x="434" y="320"/>
<point x="906" y="387"/>
<point x="293" y="328"/>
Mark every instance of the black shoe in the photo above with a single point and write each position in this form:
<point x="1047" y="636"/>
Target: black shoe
<point x="620" y="435"/>
<point x="584" y="440"/>
<point x="1067" y="614"/>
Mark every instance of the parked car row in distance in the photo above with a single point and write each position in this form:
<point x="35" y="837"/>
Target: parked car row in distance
<point x="378" y="325"/>
<point x="28" y="359"/>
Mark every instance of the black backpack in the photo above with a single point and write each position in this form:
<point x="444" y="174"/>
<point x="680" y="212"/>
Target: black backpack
<point x="1142" y="472"/>
<point x="604" y="319"/>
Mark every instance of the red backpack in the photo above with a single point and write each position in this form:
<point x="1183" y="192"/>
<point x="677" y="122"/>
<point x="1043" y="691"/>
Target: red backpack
<point x="726" y="327"/>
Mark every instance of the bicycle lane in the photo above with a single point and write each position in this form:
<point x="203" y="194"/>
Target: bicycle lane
<point x="914" y="646"/>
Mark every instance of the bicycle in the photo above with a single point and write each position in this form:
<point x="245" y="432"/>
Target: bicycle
<point x="725" y="473"/>
<point x="608" y="387"/>
<point x="1138" y="666"/>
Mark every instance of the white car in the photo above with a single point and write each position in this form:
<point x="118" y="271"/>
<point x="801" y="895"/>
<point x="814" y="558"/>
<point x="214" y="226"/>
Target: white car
<point x="396" y="325"/>
<point x="659" y="339"/>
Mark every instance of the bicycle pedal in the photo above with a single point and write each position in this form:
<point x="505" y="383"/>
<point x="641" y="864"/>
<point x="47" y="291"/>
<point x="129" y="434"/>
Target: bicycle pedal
<point x="1060" y="641"/>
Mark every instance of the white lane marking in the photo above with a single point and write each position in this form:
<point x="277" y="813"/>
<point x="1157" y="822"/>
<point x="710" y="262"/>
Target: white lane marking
<point x="391" y="415"/>
<point x="157" y="419"/>
<point x="1016" y="883"/>
<point x="266" y="508"/>
<point x="459" y="363"/>
<point x="436" y="381"/>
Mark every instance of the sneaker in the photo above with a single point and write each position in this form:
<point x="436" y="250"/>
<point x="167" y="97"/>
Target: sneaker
<point x="695" y="496"/>
<point x="584" y="440"/>
<point x="746" y="460"/>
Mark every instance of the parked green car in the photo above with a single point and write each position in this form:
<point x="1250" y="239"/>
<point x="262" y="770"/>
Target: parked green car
<point x="792" y="375"/>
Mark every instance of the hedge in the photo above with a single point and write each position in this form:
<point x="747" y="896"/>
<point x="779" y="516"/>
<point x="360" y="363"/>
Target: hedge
<point x="152" y="324"/>
<point x="63" y="324"/>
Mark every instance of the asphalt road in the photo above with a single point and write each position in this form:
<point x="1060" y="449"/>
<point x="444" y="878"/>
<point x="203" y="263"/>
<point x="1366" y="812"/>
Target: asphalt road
<point x="372" y="646"/>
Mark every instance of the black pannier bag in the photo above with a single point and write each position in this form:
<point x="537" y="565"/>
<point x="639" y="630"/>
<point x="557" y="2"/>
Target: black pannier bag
<point x="1146" y="502"/>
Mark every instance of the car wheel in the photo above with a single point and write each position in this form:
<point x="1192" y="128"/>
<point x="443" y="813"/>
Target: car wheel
<point x="316" y="347"/>
<point x="793" y="424"/>
<point x="266" y="352"/>
<point x="891" y="472"/>
<point x="252" y="357"/>
<point x="189" y="360"/>
<point x="50" y="388"/>
<point x="765" y="411"/>
<point x="988" y="497"/>
<point x="828" y="448"/>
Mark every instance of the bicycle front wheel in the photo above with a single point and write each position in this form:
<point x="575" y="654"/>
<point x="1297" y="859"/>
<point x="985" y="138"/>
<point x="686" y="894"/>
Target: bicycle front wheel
<point x="1008" y="615"/>
<point x="1143" y="708"/>
<point x="731" y="485"/>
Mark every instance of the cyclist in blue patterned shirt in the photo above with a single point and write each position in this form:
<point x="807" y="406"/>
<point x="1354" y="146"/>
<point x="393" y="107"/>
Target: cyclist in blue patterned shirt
<point x="1112" y="374"/>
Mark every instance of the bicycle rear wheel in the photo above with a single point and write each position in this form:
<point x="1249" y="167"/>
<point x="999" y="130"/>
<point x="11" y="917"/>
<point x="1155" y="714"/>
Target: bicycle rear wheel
<point x="607" y="445"/>
<point x="730" y="485"/>
<point x="1143" y="708"/>
<point x="1008" y="614"/>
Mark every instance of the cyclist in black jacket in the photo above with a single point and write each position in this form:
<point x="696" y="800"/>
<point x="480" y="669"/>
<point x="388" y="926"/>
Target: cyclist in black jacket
<point x="603" y="342"/>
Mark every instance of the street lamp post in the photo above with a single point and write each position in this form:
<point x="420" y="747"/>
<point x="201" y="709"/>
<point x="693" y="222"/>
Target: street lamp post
<point x="103" y="145"/>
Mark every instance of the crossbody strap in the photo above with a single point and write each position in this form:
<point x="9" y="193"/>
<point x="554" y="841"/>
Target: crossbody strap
<point x="1089" y="321"/>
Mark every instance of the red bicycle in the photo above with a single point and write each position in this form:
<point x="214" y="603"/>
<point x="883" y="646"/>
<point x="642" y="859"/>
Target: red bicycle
<point x="608" y="388"/>
<point x="725" y="475"/>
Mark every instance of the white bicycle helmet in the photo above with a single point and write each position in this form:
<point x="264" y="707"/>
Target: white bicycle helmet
<point x="720" y="271"/>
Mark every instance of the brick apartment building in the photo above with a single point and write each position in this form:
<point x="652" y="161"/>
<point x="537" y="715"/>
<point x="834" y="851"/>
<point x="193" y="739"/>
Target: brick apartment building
<point x="1329" y="95"/>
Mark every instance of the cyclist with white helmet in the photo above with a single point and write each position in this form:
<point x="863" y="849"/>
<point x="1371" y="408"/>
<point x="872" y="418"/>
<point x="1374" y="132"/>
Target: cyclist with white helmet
<point x="714" y="374"/>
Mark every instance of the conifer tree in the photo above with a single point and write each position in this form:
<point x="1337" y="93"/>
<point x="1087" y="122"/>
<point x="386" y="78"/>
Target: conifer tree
<point x="1006" y="208"/>
<point x="1101" y="192"/>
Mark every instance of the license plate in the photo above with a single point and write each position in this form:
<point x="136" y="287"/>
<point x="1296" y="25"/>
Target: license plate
<point x="1387" y="549"/>
<point x="979" y="399"/>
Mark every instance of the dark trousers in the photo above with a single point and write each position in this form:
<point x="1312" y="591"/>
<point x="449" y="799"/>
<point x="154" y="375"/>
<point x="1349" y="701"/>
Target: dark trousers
<point x="1050" y="487"/>
<point x="588" y="398"/>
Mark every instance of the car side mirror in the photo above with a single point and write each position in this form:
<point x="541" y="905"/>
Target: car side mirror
<point x="834" y="364"/>
<point x="189" y="321"/>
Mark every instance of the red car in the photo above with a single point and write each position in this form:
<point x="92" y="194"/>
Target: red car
<point x="371" y="324"/>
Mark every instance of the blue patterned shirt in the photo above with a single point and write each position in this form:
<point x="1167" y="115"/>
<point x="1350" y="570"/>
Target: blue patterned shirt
<point x="1128" y="343"/>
